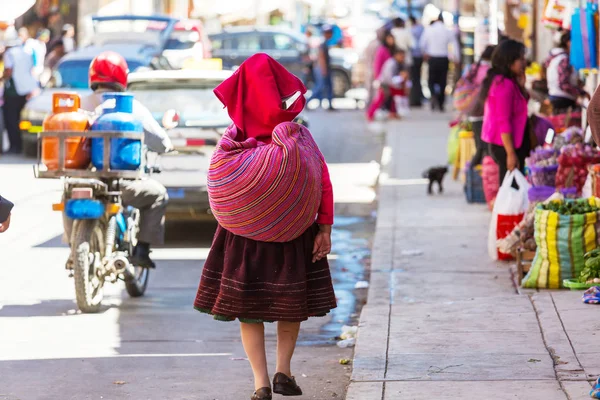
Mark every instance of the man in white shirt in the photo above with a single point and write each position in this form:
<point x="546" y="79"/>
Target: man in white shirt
<point x="435" y="45"/>
<point x="19" y="85"/>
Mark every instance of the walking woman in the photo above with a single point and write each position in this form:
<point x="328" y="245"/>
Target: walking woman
<point x="505" y="109"/>
<point x="271" y="193"/>
<point x="472" y="80"/>
<point x="383" y="53"/>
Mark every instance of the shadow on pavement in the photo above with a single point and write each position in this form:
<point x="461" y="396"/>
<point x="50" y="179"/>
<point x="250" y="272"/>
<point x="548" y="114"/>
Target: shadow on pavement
<point x="45" y="308"/>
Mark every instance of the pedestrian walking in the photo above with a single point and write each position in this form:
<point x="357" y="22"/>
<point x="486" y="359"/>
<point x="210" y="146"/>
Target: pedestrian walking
<point x="383" y="53"/>
<point x="66" y="39"/>
<point x="5" y="210"/>
<point x="369" y="57"/>
<point x="322" y="71"/>
<point x="403" y="39"/>
<point x="39" y="52"/>
<point x="19" y="85"/>
<point x="468" y="89"/>
<point x="435" y="44"/>
<point x="311" y="56"/>
<point x="505" y="111"/>
<point x="389" y="85"/>
<point x="416" y="91"/>
<point x="268" y="281"/>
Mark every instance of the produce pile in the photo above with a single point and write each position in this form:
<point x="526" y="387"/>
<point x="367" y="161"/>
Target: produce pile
<point x="542" y="166"/>
<point x="574" y="207"/>
<point x="573" y="165"/>
<point x="591" y="273"/>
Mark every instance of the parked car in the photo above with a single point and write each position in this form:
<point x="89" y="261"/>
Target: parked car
<point x="235" y="45"/>
<point x="144" y="49"/>
<point x="187" y="41"/>
<point x="202" y="121"/>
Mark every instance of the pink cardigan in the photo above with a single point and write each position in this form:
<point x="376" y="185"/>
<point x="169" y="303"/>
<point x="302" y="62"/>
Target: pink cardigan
<point x="505" y="112"/>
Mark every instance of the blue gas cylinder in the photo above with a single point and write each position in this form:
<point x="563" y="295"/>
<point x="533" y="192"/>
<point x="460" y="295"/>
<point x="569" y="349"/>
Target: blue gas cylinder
<point x="125" y="154"/>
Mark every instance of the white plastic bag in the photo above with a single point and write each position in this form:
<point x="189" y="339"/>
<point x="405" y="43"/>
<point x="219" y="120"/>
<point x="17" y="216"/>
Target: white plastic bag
<point x="509" y="201"/>
<point x="586" y="192"/>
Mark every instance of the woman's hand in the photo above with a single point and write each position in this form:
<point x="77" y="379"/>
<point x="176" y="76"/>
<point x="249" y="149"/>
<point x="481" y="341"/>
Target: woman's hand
<point x="5" y="225"/>
<point x="322" y="245"/>
<point x="512" y="162"/>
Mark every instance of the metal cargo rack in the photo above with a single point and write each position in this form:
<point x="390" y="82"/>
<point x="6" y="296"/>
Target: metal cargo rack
<point x="41" y="171"/>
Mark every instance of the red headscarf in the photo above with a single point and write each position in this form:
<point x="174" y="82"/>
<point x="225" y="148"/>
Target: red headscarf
<point x="254" y="94"/>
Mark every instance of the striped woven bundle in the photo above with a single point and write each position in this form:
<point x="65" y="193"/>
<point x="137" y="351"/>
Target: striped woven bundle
<point x="266" y="192"/>
<point x="562" y="241"/>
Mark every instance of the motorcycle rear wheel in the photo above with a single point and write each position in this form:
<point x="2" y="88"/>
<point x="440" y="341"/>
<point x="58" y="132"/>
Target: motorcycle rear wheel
<point x="88" y="250"/>
<point x="137" y="287"/>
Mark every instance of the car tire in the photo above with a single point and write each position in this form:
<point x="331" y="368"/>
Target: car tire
<point x="341" y="83"/>
<point x="30" y="147"/>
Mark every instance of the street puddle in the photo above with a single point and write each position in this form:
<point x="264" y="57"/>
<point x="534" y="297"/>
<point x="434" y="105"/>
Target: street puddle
<point x="351" y="248"/>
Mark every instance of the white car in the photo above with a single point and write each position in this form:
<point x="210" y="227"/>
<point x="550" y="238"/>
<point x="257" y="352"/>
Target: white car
<point x="202" y="121"/>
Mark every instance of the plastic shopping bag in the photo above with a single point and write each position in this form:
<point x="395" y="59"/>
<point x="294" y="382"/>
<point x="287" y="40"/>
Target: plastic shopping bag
<point x="509" y="209"/>
<point x="453" y="144"/>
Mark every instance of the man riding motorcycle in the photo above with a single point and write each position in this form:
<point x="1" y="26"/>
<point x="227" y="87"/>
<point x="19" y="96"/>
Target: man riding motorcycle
<point x="108" y="73"/>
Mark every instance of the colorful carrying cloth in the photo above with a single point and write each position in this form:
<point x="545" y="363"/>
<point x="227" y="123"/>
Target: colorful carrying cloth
<point x="254" y="94"/>
<point x="266" y="192"/>
<point x="592" y="295"/>
<point x="267" y="176"/>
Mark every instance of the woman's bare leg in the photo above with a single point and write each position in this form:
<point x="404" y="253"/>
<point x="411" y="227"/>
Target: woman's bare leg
<point x="253" y="339"/>
<point x="287" y="335"/>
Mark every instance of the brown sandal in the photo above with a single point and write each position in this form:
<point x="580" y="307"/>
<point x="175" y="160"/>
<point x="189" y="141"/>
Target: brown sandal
<point x="286" y="386"/>
<point x="262" y="394"/>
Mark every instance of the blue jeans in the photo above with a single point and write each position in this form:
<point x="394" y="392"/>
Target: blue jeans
<point x="322" y="84"/>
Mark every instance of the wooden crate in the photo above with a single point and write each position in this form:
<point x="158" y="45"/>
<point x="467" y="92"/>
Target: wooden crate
<point x="524" y="260"/>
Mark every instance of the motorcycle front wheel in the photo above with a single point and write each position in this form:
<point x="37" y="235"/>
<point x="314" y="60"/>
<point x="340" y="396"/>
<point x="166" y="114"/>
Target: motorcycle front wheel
<point x="88" y="249"/>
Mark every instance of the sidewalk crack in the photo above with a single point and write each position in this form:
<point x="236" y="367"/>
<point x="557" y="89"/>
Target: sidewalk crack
<point x="562" y="324"/>
<point x="549" y="349"/>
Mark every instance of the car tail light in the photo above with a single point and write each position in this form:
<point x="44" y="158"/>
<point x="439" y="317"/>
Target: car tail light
<point x="195" y="142"/>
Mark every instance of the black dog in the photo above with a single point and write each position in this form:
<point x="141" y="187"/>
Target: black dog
<point x="435" y="174"/>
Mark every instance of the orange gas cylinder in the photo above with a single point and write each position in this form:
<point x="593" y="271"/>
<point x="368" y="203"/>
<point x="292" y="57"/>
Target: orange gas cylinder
<point x="66" y="117"/>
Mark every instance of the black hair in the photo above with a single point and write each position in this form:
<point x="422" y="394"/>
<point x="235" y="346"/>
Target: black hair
<point x="413" y="19"/>
<point x="397" y="50"/>
<point x="488" y="52"/>
<point x="398" y="22"/>
<point x="383" y="40"/>
<point x="113" y="87"/>
<point x="503" y="57"/>
<point x="565" y="39"/>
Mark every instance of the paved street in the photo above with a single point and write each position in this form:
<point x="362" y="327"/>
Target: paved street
<point x="444" y="321"/>
<point x="158" y="347"/>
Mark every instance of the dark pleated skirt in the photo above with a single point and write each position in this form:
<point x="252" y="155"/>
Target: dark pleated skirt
<point x="264" y="282"/>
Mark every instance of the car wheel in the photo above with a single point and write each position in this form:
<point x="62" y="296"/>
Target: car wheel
<point x="341" y="83"/>
<point x="30" y="147"/>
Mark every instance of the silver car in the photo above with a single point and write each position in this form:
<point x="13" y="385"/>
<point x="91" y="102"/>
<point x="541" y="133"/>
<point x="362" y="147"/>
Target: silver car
<point x="202" y="121"/>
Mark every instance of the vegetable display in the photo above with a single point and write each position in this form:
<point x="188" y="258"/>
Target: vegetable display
<point x="573" y="165"/>
<point x="575" y="207"/>
<point x="591" y="272"/>
<point x="542" y="166"/>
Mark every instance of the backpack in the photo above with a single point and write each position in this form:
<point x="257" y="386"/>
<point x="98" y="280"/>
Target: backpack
<point x="467" y="90"/>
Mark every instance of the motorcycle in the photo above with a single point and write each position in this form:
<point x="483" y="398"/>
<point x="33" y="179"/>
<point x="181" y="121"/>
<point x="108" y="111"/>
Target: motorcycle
<point x="103" y="238"/>
<point x="104" y="232"/>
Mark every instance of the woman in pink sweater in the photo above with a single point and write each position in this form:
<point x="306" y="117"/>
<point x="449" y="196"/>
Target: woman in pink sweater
<point x="505" y="110"/>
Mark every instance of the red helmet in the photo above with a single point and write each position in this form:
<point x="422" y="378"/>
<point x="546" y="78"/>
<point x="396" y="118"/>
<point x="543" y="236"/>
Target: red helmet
<point x="108" y="68"/>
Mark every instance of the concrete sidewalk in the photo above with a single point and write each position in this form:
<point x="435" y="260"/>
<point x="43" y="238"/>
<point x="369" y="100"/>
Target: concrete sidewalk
<point x="443" y="321"/>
